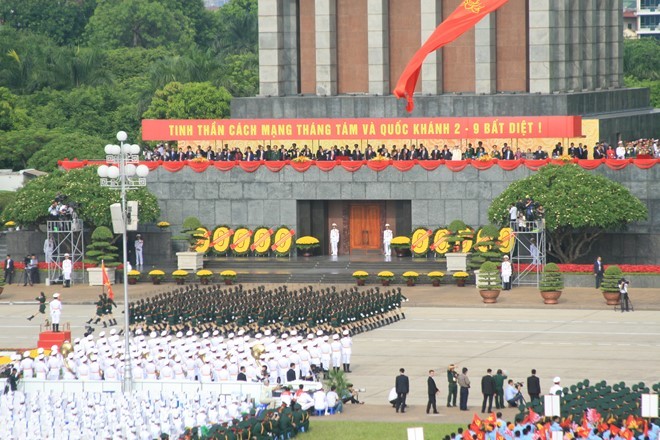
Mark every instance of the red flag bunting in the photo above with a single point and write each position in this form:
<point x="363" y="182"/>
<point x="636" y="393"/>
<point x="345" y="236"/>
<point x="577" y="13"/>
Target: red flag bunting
<point x="106" y="281"/>
<point x="468" y="14"/>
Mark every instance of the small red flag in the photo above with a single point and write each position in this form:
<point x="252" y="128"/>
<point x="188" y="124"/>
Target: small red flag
<point x="468" y="14"/>
<point x="106" y="281"/>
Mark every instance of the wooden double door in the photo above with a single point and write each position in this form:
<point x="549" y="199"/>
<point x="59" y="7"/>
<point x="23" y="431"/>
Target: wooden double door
<point x="365" y="227"/>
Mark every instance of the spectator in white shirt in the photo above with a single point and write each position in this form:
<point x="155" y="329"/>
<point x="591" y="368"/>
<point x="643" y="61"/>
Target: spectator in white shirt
<point x="333" y="400"/>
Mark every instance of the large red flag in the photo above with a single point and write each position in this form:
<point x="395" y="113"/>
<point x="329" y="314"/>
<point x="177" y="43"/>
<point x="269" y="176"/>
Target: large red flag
<point x="461" y="20"/>
<point x="106" y="281"/>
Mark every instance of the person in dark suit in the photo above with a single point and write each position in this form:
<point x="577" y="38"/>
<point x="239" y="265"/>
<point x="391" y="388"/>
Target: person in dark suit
<point x="291" y="373"/>
<point x="402" y="387"/>
<point x="9" y="269"/>
<point x="241" y="376"/>
<point x="433" y="390"/>
<point x="533" y="386"/>
<point x="488" y="390"/>
<point x="599" y="271"/>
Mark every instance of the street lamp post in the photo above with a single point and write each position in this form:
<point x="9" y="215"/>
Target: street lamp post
<point x="123" y="172"/>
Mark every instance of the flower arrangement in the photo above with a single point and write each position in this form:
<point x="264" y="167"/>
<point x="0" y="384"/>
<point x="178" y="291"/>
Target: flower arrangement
<point x="361" y="276"/>
<point x="228" y="276"/>
<point x="307" y="243"/>
<point x="156" y="276"/>
<point x="400" y="244"/>
<point x="435" y="277"/>
<point x="565" y="158"/>
<point x="484" y="158"/>
<point x="163" y="225"/>
<point x="10" y="224"/>
<point x="180" y="276"/>
<point x="133" y="276"/>
<point x="301" y="159"/>
<point x="386" y="277"/>
<point x="204" y="276"/>
<point x="459" y="275"/>
<point x="199" y="160"/>
<point x="410" y="277"/>
<point x="379" y="157"/>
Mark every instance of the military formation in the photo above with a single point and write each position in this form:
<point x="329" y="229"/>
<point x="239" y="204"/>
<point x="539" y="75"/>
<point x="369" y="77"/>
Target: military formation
<point x="203" y="309"/>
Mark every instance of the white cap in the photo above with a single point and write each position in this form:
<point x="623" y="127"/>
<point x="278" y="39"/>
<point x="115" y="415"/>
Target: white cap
<point x="334" y="224"/>
<point x="556" y="379"/>
<point x="66" y="255"/>
<point x="345" y="332"/>
<point x="335" y="336"/>
<point x="56" y="295"/>
<point x="387" y="224"/>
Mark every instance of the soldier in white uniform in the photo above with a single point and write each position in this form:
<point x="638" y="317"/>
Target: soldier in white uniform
<point x="27" y="366"/>
<point x="67" y="268"/>
<point x="334" y="240"/>
<point x="346" y="350"/>
<point x="335" y="345"/>
<point x="55" y="312"/>
<point x="387" y="239"/>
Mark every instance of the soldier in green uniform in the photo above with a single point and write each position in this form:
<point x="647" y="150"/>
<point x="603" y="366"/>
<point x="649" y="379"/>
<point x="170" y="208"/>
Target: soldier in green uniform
<point x="452" y="386"/>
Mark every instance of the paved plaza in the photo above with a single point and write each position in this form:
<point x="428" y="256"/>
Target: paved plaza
<point x="577" y="339"/>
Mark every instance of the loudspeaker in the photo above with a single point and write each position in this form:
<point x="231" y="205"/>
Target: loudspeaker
<point x="131" y="217"/>
<point x="117" y="218"/>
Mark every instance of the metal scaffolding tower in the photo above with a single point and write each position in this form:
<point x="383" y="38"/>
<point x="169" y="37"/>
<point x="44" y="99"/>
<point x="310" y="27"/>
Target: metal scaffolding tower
<point x="67" y="236"/>
<point x="528" y="256"/>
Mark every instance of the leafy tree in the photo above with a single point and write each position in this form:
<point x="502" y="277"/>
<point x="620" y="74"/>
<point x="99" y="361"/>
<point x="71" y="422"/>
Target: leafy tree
<point x="12" y="116"/>
<point x="652" y="85"/>
<point x="6" y="199"/>
<point x="81" y="186"/>
<point x="579" y="207"/>
<point x="641" y="58"/>
<point x="30" y="141"/>
<point x="236" y="22"/>
<point x="189" y="101"/>
<point x="239" y="74"/>
<point x="74" y="67"/>
<point x="138" y="23"/>
<point x="63" y="21"/>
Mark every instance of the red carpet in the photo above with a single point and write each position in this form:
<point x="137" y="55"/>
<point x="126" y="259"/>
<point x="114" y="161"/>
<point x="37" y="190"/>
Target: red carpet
<point x="48" y="339"/>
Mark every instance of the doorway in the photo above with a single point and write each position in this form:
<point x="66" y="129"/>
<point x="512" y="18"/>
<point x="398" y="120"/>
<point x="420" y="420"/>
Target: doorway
<point x="365" y="225"/>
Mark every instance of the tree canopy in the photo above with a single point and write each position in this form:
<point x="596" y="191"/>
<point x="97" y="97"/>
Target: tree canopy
<point x="82" y="186"/>
<point x="189" y="101"/>
<point x="579" y="207"/>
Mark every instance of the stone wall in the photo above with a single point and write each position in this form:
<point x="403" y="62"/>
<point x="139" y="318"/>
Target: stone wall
<point x="437" y="197"/>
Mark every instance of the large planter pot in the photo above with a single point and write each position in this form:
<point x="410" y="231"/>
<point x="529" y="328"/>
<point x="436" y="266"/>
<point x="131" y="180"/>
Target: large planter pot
<point x="436" y="283"/>
<point x="460" y="282"/>
<point x="189" y="260"/>
<point x="132" y="280"/>
<point x="489" y="296"/>
<point x="410" y="282"/>
<point x="156" y="280"/>
<point x="180" y="281"/>
<point x="95" y="275"/>
<point x="456" y="261"/>
<point x="360" y="282"/>
<point x="551" y="297"/>
<point x="612" y="298"/>
<point x="385" y="282"/>
<point x="228" y="281"/>
<point x="205" y="280"/>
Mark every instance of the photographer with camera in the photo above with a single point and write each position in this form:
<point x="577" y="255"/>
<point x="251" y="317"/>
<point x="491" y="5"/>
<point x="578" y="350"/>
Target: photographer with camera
<point x="625" y="300"/>
<point x="513" y="394"/>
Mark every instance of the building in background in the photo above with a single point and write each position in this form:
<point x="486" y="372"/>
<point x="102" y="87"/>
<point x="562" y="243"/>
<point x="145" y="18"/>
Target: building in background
<point x="341" y="58"/>
<point x="648" y="18"/>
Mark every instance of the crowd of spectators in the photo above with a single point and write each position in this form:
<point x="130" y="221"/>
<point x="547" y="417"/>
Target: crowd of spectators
<point x="642" y="148"/>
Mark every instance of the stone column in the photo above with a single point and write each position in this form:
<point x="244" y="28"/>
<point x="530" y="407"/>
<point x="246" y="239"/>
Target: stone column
<point x="326" y="47"/>
<point x="588" y="47"/>
<point x="616" y="38"/>
<point x="278" y="48"/>
<point x="431" y="17"/>
<point x="485" y="54"/>
<point x="539" y="46"/>
<point x="378" y="41"/>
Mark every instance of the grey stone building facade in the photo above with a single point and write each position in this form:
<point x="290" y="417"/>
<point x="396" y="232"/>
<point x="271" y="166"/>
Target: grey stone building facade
<point x="311" y="201"/>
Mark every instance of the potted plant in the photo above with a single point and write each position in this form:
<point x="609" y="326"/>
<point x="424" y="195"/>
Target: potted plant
<point x="551" y="284"/>
<point x="401" y="245"/>
<point x="489" y="282"/>
<point x="156" y="276"/>
<point x="133" y="276"/>
<point x="204" y="276"/>
<point x="360" y="276"/>
<point x="10" y="225"/>
<point x="435" y="277"/>
<point x="100" y="250"/>
<point x="485" y="247"/>
<point x="458" y="233"/>
<point x="180" y="276"/>
<point x="410" y="277"/>
<point x="307" y="244"/>
<point x="386" y="277"/>
<point x="460" y="278"/>
<point x="228" y="276"/>
<point x="610" y="285"/>
<point x="163" y="225"/>
<point x="190" y="259"/>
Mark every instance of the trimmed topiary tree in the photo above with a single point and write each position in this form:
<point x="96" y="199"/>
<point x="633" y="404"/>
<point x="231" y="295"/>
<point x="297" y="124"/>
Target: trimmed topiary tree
<point x="189" y="232"/>
<point x="485" y="246"/>
<point x="101" y="248"/>
<point x="610" y="285"/>
<point x="551" y="283"/>
<point x="489" y="282"/>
